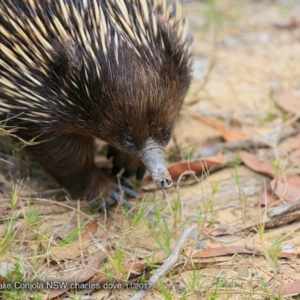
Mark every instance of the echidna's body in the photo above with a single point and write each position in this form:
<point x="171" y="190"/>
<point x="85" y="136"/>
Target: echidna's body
<point x="72" y="70"/>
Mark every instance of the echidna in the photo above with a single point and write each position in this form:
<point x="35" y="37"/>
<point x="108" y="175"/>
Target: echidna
<point x="75" y="70"/>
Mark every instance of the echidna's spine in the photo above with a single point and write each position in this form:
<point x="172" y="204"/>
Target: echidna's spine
<point x="29" y="30"/>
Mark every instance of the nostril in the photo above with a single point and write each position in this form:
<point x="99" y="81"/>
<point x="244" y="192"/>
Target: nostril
<point x="165" y="183"/>
<point x="169" y="182"/>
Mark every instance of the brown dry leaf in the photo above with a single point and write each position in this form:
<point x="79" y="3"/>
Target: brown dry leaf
<point x="229" y="135"/>
<point x="288" y="289"/>
<point x="251" y="162"/>
<point x="293" y="23"/>
<point x="266" y="197"/>
<point x="83" y="274"/>
<point x="91" y="268"/>
<point x="220" y="251"/>
<point x="136" y="266"/>
<point x="234" y="135"/>
<point x="197" y="166"/>
<point x="289" y="103"/>
<point x="74" y="251"/>
<point x="287" y="188"/>
<point x="99" y="278"/>
<point x="283" y="254"/>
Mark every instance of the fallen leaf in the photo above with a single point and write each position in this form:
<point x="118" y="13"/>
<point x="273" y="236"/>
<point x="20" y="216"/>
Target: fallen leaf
<point x="220" y="251"/>
<point x="289" y="103"/>
<point x="282" y="254"/>
<point x="136" y="268"/>
<point x="197" y="166"/>
<point x="83" y="274"/>
<point x="99" y="278"/>
<point x="288" y="289"/>
<point x="287" y="187"/>
<point x="90" y="269"/>
<point x="229" y="135"/>
<point x="74" y="250"/>
<point x="251" y="162"/>
<point x="293" y="23"/>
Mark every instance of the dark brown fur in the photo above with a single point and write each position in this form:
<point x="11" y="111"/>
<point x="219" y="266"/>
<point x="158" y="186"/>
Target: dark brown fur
<point x="135" y="99"/>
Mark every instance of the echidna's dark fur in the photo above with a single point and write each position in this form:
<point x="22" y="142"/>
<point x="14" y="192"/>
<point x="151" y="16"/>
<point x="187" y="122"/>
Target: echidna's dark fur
<point x="72" y="70"/>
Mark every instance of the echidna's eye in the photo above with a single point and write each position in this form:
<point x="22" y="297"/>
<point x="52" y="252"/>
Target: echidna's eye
<point x="128" y="142"/>
<point x="167" y="133"/>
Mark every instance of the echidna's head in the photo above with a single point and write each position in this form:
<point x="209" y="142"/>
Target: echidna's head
<point x="141" y="101"/>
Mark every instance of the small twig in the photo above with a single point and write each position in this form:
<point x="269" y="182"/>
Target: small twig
<point x="166" y="266"/>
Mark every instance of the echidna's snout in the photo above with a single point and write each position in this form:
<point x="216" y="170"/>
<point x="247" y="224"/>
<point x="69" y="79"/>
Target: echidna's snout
<point x="152" y="156"/>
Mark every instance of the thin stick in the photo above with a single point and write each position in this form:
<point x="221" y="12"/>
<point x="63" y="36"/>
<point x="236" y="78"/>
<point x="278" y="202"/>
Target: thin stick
<point x="166" y="266"/>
